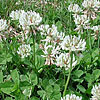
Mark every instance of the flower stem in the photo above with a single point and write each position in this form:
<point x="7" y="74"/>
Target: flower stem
<point x="90" y="45"/>
<point x="98" y="40"/>
<point x="64" y="76"/>
<point x="33" y="37"/>
<point x="66" y="85"/>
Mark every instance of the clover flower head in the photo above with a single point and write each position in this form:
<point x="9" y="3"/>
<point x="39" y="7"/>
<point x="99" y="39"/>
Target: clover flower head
<point x="34" y="18"/>
<point x="96" y="28"/>
<point x="60" y="36"/>
<point x="51" y="32"/>
<point x="95" y="92"/>
<point x="24" y="21"/>
<point x="47" y="30"/>
<point x="74" y="8"/>
<point x="43" y="29"/>
<point x="63" y="60"/>
<point x="53" y="38"/>
<point x="94" y="98"/>
<point x="3" y="25"/>
<point x="15" y="15"/>
<point x="81" y="21"/>
<point x="22" y="17"/>
<point x="50" y="52"/>
<point x="71" y="97"/>
<point x="96" y="4"/>
<point x="73" y="43"/>
<point x="88" y="3"/>
<point x="26" y="18"/>
<point x="91" y="8"/>
<point x="54" y="32"/>
<point x="18" y="2"/>
<point x="24" y="50"/>
<point x="24" y="35"/>
<point x="91" y="4"/>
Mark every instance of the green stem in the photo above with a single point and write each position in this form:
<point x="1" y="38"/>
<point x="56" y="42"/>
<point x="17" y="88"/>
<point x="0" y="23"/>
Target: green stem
<point x="66" y="85"/>
<point x="98" y="41"/>
<point x="34" y="47"/>
<point x="6" y="45"/>
<point x="90" y="41"/>
<point x="3" y="96"/>
<point x="33" y="37"/>
<point x="64" y="76"/>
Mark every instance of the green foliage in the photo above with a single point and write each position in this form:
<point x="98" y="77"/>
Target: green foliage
<point x="21" y="80"/>
<point x="50" y="90"/>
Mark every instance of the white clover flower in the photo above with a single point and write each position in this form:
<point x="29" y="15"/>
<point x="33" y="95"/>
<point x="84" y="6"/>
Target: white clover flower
<point x="50" y="52"/>
<point x="82" y="22"/>
<point x="22" y="17"/>
<point x="47" y="40"/>
<point x="63" y="60"/>
<point x="53" y="38"/>
<point x="95" y="92"/>
<point x="34" y="18"/>
<point x="3" y="25"/>
<point x="96" y="4"/>
<point x="24" y="50"/>
<point x="96" y="28"/>
<point x="91" y="4"/>
<point x="30" y="18"/>
<point x="18" y="2"/>
<point x="24" y="21"/>
<point x="24" y="35"/>
<point x="74" y="8"/>
<point x="91" y="8"/>
<point x="15" y="15"/>
<point x="88" y="3"/>
<point x="94" y="98"/>
<point x="55" y="34"/>
<point x="71" y="97"/>
<point x="73" y="43"/>
<point x="47" y="30"/>
<point x="43" y="2"/>
<point x="26" y="18"/>
<point x="61" y="35"/>
<point x="51" y="32"/>
<point x="43" y="29"/>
